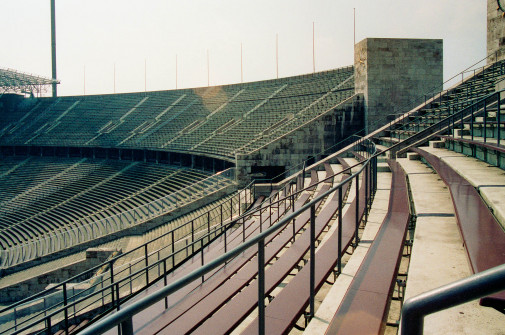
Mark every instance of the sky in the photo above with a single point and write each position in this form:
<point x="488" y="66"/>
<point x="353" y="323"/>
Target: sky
<point x="107" y="46"/>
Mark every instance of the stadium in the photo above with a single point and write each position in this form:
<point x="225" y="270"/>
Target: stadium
<point x="366" y="199"/>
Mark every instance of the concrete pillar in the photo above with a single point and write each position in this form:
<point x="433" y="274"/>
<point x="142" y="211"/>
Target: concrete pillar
<point x="495" y="31"/>
<point x="392" y="73"/>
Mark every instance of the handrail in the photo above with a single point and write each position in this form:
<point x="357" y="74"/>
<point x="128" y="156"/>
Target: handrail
<point x="47" y="314"/>
<point x="456" y="293"/>
<point x="124" y="316"/>
<point x="70" y="237"/>
<point x="422" y="99"/>
<point x="123" y="255"/>
<point x="70" y="303"/>
<point x="447" y="123"/>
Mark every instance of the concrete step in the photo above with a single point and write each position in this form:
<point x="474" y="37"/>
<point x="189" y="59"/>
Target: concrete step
<point x="413" y="156"/>
<point x="487" y="179"/>
<point x="437" y="144"/>
<point x="460" y="132"/>
<point x="383" y="167"/>
<point x="438" y="256"/>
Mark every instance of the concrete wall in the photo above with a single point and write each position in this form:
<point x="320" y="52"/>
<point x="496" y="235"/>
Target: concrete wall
<point x="393" y="72"/>
<point x="495" y="32"/>
<point x="38" y="282"/>
<point x="309" y="140"/>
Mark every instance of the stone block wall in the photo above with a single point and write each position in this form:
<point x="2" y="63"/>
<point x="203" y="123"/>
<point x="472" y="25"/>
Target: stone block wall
<point x="392" y="73"/>
<point x="309" y="140"/>
<point x="495" y="32"/>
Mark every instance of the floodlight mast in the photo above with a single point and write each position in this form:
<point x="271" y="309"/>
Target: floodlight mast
<point x="53" y="48"/>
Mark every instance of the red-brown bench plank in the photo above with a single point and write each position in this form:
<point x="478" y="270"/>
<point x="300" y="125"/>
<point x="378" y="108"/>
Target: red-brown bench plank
<point x="282" y="313"/>
<point x="236" y="310"/>
<point x="482" y="234"/>
<point x="369" y="295"/>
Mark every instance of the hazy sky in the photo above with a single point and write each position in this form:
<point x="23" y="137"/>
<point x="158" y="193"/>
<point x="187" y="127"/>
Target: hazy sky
<point x="95" y="35"/>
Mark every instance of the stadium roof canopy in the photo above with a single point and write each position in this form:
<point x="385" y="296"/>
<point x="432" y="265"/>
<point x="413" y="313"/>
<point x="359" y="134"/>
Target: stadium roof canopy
<point x="12" y="81"/>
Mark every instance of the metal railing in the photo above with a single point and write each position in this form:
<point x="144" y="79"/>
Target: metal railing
<point x="403" y="113"/>
<point x="124" y="316"/>
<point x="424" y="129"/>
<point x="142" y="266"/>
<point x="88" y="231"/>
<point x="456" y="293"/>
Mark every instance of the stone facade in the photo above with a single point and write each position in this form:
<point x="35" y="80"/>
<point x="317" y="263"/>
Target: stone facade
<point x="495" y="32"/>
<point x="393" y="73"/>
<point x="308" y="140"/>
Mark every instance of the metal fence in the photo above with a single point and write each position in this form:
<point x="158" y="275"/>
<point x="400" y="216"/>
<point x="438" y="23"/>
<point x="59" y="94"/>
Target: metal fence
<point x="101" y="287"/>
<point x="124" y="316"/>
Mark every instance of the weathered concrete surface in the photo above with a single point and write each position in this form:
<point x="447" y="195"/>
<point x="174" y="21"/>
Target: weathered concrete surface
<point x="487" y="179"/>
<point x="318" y="135"/>
<point x="439" y="257"/>
<point x="495" y="32"/>
<point x="394" y="72"/>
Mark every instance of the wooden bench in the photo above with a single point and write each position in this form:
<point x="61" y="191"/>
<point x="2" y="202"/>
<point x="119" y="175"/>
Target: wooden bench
<point x="482" y="234"/>
<point x="189" y="311"/>
<point x="212" y="251"/>
<point x="281" y="314"/>
<point x="237" y="309"/>
<point x="369" y="294"/>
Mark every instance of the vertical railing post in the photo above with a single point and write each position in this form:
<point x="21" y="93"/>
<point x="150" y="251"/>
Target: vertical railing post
<point x="367" y="191"/>
<point x="312" y="259"/>
<point x="208" y="216"/>
<point x="202" y="257"/>
<point x="375" y="175"/>
<point x="453" y="119"/>
<point x="127" y="327"/>
<point x="147" y="264"/>
<point x="261" y="287"/>
<point x="192" y="236"/>
<point x="164" y="280"/>
<point x="498" y="120"/>
<point x="261" y="223"/>
<point x="243" y="229"/>
<point x="356" y="237"/>
<point x="270" y="210"/>
<point x="65" y="303"/>
<point x="173" y="250"/>
<point x="208" y="229"/>
<point x="472" y="123"/>
<point x="111" y="270"/>
<point x="225" y="242"/>
<point x="462" y="125"/>
<point x="485" y="121"/>
<point x="294" y="219"/>
<point x="339" y="249"/>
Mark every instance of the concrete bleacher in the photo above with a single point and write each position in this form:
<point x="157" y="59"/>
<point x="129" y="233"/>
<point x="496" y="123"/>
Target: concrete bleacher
<point x="159" y="245"/>
<point x="240" y="119"/>
<point x="216" y="120"/>
<point x="439" y="255"/>
<point x="64" y="194"/>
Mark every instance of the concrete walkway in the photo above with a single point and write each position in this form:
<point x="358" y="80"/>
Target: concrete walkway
<point x="439" y="257"/>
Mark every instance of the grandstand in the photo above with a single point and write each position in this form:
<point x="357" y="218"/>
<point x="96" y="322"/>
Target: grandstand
<point x="156" y="212"/>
